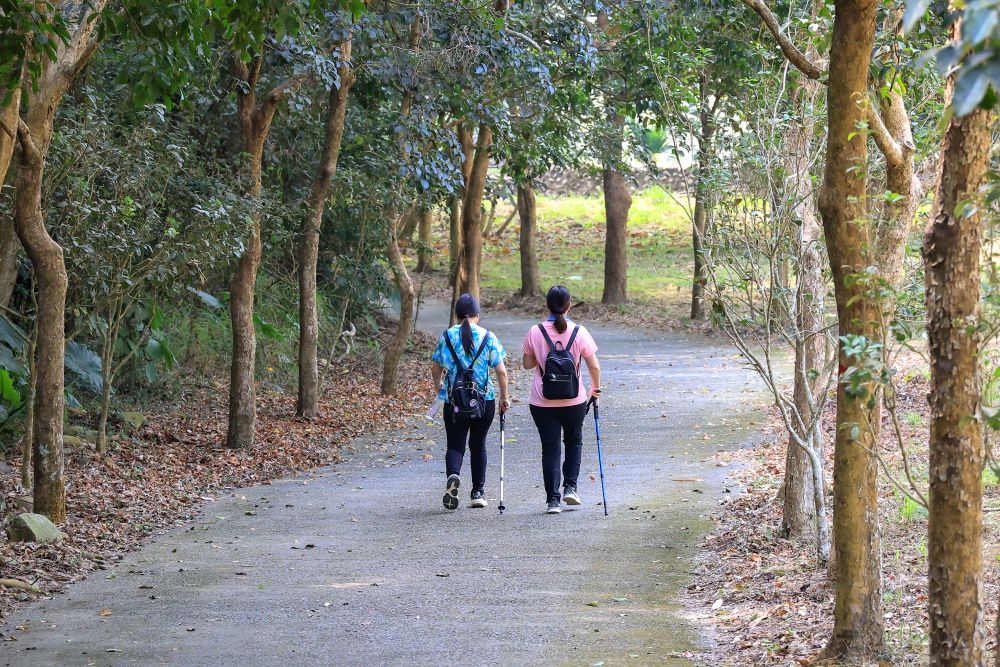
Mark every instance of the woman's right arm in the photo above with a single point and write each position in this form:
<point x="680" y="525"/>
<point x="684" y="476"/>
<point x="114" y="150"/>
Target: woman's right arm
<point x="594" y="370"/>
<point x="529" y="361"/>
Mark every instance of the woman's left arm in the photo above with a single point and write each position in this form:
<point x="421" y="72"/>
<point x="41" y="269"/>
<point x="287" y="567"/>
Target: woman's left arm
<point x="501" y="370"/>
<point x="594" y="370"/>
<point x="436" y="373"/>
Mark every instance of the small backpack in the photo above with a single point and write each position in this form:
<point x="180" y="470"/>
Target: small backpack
<point x="467" y="399"/>
<point x="561" y="378"/>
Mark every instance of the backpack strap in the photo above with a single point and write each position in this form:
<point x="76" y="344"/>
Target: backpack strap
<point x="572" y="337"/>
<point x="482" y="346"/>
<point x="454" y="355"/>
<point x="548" y="339"/>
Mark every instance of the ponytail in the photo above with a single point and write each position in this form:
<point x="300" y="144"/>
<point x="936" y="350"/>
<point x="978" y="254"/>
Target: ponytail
<point x="467" y="335"/>
<point x="558" y="303"/>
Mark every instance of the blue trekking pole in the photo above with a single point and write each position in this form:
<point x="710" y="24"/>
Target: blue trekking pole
<point x="502" y="439"/>
<point x="600" y="459"/>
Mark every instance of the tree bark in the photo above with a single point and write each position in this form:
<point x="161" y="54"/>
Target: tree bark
<point x="528" y="214"/>
<point x="617" y="202"/>
<point x="309" y="391"/>
<point x="858" y="623"/>
<point x="702" y="198"/>
<point x="8" y="236"/>
<point x="472" y="214"/>
<point x="394" y="352"/>
<point x="408" y="227"/>
<point x="952" y="251"/>
<point x="799" y="514"/>
<point x="454" y="237"/>
<point x="34" y="134"/>
<point x="425" y="252"/>
<point x="255" y="123"/>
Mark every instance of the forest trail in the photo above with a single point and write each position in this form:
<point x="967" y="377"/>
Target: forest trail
<point x="361" y="564"/>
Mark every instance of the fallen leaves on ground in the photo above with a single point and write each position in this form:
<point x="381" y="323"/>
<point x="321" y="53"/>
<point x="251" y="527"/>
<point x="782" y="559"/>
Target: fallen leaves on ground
<point x="177" y="461"/>
<point x="778" y="604"/>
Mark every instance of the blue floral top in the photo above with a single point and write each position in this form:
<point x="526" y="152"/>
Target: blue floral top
<point x="491" y="357"/>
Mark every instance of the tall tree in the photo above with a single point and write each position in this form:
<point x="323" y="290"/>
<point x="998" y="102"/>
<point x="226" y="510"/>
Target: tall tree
<point x="952" y="252"/>
<point x="527" y="211"/>
<point x="309" y="390"/>
<point x="34" y="133"/>
<point x="858" y="623"/>
<point x="256" y="105"/>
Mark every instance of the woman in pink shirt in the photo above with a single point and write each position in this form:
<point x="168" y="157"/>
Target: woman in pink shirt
<point x="559" y="399"/>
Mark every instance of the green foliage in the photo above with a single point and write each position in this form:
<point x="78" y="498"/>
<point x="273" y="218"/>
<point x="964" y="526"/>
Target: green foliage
<point x="910" y="509"/>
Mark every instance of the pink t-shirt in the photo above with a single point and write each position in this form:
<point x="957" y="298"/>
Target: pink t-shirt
<point x="535" y="345"/>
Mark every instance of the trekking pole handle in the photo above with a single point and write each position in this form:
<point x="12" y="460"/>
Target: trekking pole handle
<point x="593" y="402"/>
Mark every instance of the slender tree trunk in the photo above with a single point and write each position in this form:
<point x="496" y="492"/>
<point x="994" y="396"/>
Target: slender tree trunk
<point x="858" y="623"/>
<point x="242" y="286"/>
<point x="27" y="439"/>
<point x="255" y="124"/>
<point x="702" y="200"/>
<point x="425" y="253"/>
<point x="8" y="237"/>
<point x="799" y="512"/>
<point x="472" y="214"/>
<point x="617" y="202"/>
<point x="107" y="367"/>
<point x="309" y="391"/>
<point x="454" y="237"/>
<point x="396" y="347"/>
<point x="952" y="251"/>
<point x="408" y="227"/>
<point x="50" y="274"/>
<point x="528" y="214"/>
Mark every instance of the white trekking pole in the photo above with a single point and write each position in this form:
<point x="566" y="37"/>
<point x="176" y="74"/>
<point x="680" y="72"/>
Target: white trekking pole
<point x="502" y="443"/>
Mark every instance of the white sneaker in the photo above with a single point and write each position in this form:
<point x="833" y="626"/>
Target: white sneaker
<point x="450" y="499"/>
<point x="477" y="499"/>
<point x="570" y="497"/>
<point x="554" y="507"/>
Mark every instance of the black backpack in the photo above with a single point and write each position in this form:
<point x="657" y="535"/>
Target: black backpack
<point x="466" y="398"/>
<point x="561" y="378"/>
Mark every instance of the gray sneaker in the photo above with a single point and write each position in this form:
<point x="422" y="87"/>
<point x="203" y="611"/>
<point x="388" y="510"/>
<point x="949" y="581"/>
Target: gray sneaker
<point x="450" y="499"/>
<point x="569" y="496"/>
<point x="554" y="507"/>
<point x="477" y="499"/>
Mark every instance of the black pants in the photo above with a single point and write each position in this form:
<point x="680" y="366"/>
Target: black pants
<point x="551" y="422"/>
<point x="474" y="433"/>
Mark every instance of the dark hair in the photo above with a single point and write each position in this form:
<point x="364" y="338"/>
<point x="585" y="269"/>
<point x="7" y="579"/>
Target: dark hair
<point x="557" y="301"/>
<point x="466" y="307"/>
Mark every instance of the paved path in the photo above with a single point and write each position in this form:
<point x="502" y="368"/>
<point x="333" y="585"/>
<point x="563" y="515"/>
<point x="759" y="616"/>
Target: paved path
<point x="361" y="565"/>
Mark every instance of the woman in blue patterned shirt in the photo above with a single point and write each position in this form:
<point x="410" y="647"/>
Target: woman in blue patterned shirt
<point x="466" y="339"/>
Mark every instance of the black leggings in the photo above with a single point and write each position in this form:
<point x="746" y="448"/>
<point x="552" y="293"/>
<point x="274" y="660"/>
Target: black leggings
<point x="551" y="422"/>
<point x="475" y="433"/>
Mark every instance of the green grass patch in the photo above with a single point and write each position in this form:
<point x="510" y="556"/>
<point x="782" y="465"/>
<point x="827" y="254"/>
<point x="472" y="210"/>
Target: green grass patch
<point x="571" y="232"/>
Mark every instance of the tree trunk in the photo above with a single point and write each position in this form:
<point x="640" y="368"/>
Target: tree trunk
<point x="27" y="439"/>
<point x="858" y="623"/>
<point x="50" y="274"/>
<point x="528" y="214"/>
<point x="242" y="286"/>
<point x="472" y="214"/>
<point x="425" y="252"/>
<point x="702" y="204"/>
<point x="408" y="227"/>
<point x="255" y="124"/>
<point x="617" y="202"/>
<point x="799" y="512"/>
<point x="454" y="238"/>
<point x="394" y="352"/>
<point x="952" y="251"/>
<point x="8" y="237"/>
<point x="309" y="392"/>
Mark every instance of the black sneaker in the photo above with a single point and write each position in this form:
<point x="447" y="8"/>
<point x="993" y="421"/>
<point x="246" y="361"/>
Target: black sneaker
<point x="554" y="507"/>
<point x="569" y="495"/>
<point x="477" y="499"/>
<point x="451" y="492"/>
